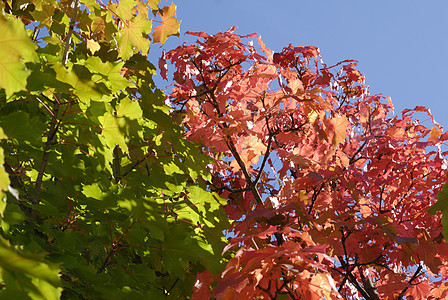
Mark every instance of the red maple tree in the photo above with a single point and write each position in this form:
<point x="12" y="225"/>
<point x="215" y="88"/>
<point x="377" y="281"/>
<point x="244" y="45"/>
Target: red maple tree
<point x="328" y="189"/>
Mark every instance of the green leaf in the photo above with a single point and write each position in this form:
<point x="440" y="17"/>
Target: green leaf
<point x="132" y="38"/>
<point x="113" y="131"/>
<point x="18" y="125"/>
<point x="129" y="109"/>
<point x="93" y="191"/>
<point x="81" y="79"/>
<point x="111" y="73"/>
<point x="131" y="224"/>
<point x="28" y="272"/>
<point x="442" y="205"/>
<point x="15" y="48"/>
<point x="43" y="13"/>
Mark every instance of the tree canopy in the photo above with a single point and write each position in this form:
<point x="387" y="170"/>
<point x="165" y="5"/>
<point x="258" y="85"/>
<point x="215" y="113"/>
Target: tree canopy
<point x="261" y="175"/>
<point x="328" y="190"/>
<point x="101" y="190"/>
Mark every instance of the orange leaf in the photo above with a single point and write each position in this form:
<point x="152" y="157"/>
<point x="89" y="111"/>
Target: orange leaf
<point x="265" y="49"/>
<point x="323" y="285"/>
<point x="396" y="132"/>
<point x="336" y="128"/>
<point x="434" y="134"/>
<point x="340" y="126"/>
<point x="419" y="291"/>
<point x="169" y="26"/>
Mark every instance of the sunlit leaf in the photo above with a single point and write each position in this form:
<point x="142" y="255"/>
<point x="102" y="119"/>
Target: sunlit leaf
<point x="132" y="37"/>
<point x="15" y="48"/>
<point x="93" y="46"/>
<point x="169" y="26"/>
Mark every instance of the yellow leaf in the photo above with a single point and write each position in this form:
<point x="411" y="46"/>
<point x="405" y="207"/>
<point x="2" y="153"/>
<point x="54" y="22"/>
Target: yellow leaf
<point x="93" y="46"/>
<point x="154" y="4"/>
<point x="123" y="9"/>
<point x="312" y="116"/>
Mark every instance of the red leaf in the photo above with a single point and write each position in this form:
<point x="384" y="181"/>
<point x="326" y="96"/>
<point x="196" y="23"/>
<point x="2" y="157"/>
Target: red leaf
<point x="265" y="49"/>
<point x="163" y="66"/>
<point x="201" y="288"/>
<point x="352" y="184"/>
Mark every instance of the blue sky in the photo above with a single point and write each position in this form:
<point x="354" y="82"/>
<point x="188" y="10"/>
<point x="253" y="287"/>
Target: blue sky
<point x="401" y="46"/>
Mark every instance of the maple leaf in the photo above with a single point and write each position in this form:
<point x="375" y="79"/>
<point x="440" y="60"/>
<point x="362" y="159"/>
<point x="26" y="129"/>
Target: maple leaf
<point x="132" y="39"/>
<point x="154" y="4"/>
<point x="265" y="49"/>
<point x="358" y="178"/>
<point x="364" y="207"/>
<point x="434" y="134"/>
<point x="396" y="132"/>
<point x="163" y="66"/>
<point x="338" y="127"/>
<point x="169" y="26"/>
<point x="419" y="291"/>
<point x="44" y="13"/>
<point x="322" y="285"/>
<point x="123" y="9"/>
<point x="15" y="45"/>
<point x="201" y="288"/>
<point x="93" y="46"/>
<point x="440" y="292"/>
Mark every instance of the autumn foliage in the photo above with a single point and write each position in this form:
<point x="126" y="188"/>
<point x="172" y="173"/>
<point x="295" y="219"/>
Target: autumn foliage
<point x="327" y="188"/>
<point x="268" y="175"/>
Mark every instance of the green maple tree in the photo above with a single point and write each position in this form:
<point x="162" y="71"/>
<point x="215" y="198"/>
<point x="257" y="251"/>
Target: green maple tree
<point x="102" y="197"/>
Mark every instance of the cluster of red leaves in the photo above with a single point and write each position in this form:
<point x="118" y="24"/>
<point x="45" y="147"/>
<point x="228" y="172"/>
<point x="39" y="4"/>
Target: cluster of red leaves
<point x="328" y="189"/>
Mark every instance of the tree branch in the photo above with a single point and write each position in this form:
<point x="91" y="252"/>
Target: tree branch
<point x="54" y="124"/>
<point x="416" y="274"/>
<point x="265" y="159"/>
<point x="315" y="194"/>
<point x="117" y="164"/>
<point x="252" y="184"/>
<point x="368" y="285"/>
<point x="210" y="93"/>
<point x="352" y="159"/>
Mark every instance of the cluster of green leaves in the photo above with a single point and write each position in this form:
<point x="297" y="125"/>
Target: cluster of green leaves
<point x="102" y="197"/>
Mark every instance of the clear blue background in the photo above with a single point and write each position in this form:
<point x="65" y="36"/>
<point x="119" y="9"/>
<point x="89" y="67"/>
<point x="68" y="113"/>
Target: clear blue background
<point x="401" y="46"/>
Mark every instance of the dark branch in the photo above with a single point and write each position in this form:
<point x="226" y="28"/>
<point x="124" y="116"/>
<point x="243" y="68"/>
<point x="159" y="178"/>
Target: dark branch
<point x="265" y="159"/>
<point x="416" y="274"/>
<point x="54" y="124"/>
